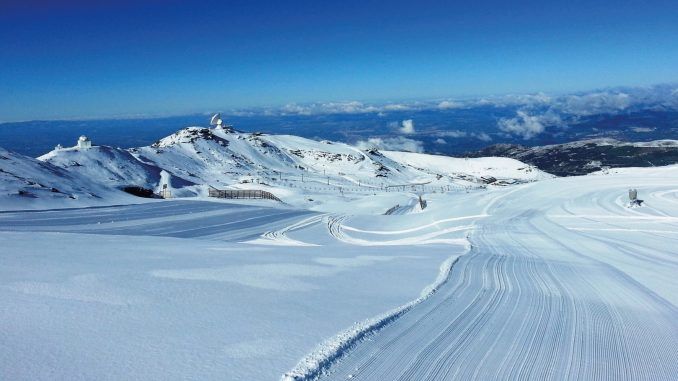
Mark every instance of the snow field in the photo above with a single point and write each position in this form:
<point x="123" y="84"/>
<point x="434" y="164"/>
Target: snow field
<point x="555" y="279"/>
<point x="538" y="298"/>
<point x="163" y="291"/>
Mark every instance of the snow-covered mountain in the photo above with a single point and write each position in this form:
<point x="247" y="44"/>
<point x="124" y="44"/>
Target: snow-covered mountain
<point x="29" y="183"/>
<point x="298" y="170"/>
<point x="114" y="167"/>
<point x="586" y="156"/>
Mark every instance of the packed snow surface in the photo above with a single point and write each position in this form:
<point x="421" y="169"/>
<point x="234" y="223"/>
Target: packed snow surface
<point x="563" y="282"/>
<point x="188" y="289"/>
<point x="549" y="278"/>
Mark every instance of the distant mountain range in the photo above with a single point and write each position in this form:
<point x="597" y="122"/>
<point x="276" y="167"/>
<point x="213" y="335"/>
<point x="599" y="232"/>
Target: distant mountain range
<point x="586" y="156"/>
<point x="448" y="127"/>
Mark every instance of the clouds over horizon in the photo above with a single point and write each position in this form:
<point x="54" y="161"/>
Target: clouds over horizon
<point x="448" y="104"/>
<point x="579" y="103"/>
<point x="457" y="134"/>
<point x="536" y="114"/>
<point x="528" y="126"/>
<point x="398" y="143"/>
<point x="345" y="107"/>
<point x="521" y="115"/>
<point x="407" y="127"/>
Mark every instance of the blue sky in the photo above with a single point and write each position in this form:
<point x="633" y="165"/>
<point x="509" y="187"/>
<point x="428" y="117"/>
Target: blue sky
<point x="78" y="59"/>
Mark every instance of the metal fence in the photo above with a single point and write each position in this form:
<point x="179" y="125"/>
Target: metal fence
<point x="242" y="193"/>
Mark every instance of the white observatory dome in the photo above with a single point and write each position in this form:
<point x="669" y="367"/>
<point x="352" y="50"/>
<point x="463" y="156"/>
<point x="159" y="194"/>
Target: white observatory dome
<point x="84" y="142"/>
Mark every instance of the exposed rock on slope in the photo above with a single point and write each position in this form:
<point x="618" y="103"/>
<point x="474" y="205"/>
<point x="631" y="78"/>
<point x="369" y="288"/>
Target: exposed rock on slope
<point x="586" y="156"/>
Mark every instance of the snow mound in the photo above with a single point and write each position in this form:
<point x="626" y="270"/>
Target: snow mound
<point x="107" y="165"/>
<point x="27" y="183"/>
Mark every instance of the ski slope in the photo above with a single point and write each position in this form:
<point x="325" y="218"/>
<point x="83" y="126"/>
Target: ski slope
<point x="179" y="219"/>
<point x="185" y="289"/>
<point x="551" y="280"/>
<point x="563" y="282"/>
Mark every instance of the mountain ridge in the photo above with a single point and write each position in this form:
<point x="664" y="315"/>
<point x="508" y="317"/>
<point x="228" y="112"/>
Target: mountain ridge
<point x="299" y="170"/>
<point x="586" y="156"/>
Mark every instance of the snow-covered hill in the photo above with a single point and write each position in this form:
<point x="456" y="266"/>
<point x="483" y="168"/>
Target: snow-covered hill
<point x="300" y="171"/>
<point x="108" y="165"/>
<point x="27" y="183"/>
<point x="500" y="168"/>
<point x="586" y="156"/>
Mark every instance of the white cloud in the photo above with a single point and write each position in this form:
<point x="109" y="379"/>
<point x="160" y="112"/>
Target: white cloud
<point x="453" y="134"/>
<point x="392" y="144"/>
<point x="347" y="107"/>
<point x="440" y="141"/>
<point x="407" y="127"/>
<point x="395" y="107"/>
<point x="295" y="109"/>
<point x="445" y="105"/>
<point x="594" y="103"/>
<point x="568" y="106"/>
<point x="525" y="100"/>
<point x="463" y="134"/>
<point x="482" y="136"/>
<point x="528" y="126"/>
<point x="350" y="107"/>
<point x="643" y="129"/>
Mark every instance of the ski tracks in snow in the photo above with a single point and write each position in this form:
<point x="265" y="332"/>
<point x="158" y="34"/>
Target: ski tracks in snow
<point x="511" y="313"/>
<point x="443" y="231"/>
<point x="330" y="352"/>
<point x="532" y="300"/>
<point x="280" y="236"/>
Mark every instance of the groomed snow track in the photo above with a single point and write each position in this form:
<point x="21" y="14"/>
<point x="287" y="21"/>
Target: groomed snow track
<point x="536" y="299"/>
<point x="180" y="219"/>
<point x="511" y="314"/>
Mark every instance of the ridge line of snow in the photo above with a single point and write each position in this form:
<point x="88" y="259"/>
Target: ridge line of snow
<point x="332" y="349"/>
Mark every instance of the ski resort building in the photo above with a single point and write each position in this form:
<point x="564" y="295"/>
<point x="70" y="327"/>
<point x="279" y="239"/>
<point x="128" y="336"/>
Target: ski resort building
<point x="84" y="142"/>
